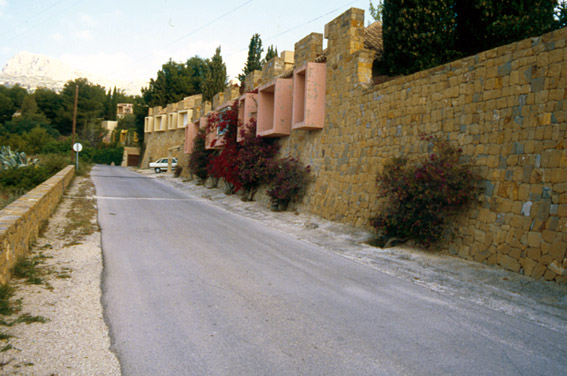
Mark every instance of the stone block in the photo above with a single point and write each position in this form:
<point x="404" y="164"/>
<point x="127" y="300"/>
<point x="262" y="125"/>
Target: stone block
<point x="510" y="263"/>
<point x="558" y="249"/>
<point x="529" y="265"/>
<point x="549" y="275"/>
<point x="557" y="268"/>
<point x="534" y="239"/>
<point x="538" y="271"/>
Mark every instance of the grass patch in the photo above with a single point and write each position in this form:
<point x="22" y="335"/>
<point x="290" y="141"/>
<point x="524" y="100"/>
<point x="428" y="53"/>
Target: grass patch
<point x="6" y="293"/>
<point x="24" y="318"/>
<point x="26" y="268"/>
<point x="81" y="218"/>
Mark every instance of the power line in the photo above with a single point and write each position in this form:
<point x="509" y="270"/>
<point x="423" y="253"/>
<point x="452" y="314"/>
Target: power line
<point x="211" y="22"/>
<point x="144" y="57"/>
<point x="298" y="26"/>
<point x="313" y="20"/>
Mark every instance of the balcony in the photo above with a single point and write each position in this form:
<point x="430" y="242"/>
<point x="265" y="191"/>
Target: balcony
<point x="309" y="96"/>
<point x="247" y="112"/>
<point x="274" y="108"/>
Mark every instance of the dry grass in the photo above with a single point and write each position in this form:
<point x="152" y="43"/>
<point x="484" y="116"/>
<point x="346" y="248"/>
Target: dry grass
<point x="81" y="218"/>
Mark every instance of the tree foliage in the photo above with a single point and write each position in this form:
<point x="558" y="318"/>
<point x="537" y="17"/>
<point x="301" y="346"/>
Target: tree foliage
<point x="215" y="79"/>
<point x="419" y="34"/>
<point x="254" y="60"/>
<point x="376" y="10"/>
<point x="174" y="81"/>
<point x="270" y="53"/>
<point x="90" y="105"/>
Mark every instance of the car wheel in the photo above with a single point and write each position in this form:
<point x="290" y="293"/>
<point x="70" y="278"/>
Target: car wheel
<point x="157" y="170"/>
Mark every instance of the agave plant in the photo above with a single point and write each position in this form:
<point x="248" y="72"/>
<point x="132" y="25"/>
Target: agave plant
<point x="11" y="159"/>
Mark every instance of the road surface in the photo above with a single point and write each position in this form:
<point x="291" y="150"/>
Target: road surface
<point x="191" y="289"/>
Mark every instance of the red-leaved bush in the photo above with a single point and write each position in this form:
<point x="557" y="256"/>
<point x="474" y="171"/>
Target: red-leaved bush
<point x="223" y="164"/>
<point x="289" y="183"/>
<point x="420" y="196"/>
<point x="256" y="161"/>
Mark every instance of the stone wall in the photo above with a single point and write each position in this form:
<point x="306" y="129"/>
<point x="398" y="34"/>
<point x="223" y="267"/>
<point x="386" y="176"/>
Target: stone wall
<point x="506" y="108"/>
<point x="157" y="146"/>
<point x="21" y="221"/>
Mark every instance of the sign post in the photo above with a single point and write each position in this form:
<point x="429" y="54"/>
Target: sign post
<point x="77" y="147"/>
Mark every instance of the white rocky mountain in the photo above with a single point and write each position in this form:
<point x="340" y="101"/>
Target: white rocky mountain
<point x="33" y="70"/>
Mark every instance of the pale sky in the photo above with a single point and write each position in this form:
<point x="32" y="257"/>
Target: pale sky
<point x="132" y="39"/>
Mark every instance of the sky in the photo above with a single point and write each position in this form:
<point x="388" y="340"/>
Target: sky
<point x="131" y="39"/>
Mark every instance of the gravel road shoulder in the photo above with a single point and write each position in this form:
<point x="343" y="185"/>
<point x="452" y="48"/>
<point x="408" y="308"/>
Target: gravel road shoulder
<point x="74" y="339"/>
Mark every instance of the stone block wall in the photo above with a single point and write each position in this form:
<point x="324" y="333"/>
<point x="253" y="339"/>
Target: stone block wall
<point x="21" y="221"/>
<point x="157" y="145"/>
<point x="506" y="108"/>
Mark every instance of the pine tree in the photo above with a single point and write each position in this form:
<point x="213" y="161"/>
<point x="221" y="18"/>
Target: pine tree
<point x="254" y="61"/>
<point x="215" y="79"/>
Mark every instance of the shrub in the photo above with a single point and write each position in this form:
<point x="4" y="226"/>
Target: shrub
<point x="255" y="161"/>
<point x="223" y="164"/>
<point x="289" y="183"/>
<point x="420" y="196"/>
<point x="54" y="163"/>
<point x="23" y="178"/>
<point x="199" y="158"/>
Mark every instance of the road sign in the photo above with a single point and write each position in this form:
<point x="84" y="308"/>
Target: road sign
<point x="77" y="147"/>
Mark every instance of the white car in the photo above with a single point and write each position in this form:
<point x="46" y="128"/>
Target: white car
<point x="161" y="164"/>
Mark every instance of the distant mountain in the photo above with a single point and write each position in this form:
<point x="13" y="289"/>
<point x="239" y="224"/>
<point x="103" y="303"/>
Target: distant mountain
<point x="32" y="71"/>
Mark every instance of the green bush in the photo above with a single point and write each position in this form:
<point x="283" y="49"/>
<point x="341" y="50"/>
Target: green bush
<point x="23" y="178"/>
<point x="53" y="163"/>
<point x="421" y="195"/>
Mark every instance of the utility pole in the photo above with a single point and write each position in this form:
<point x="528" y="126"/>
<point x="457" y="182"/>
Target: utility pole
<point x="74" y="119"/>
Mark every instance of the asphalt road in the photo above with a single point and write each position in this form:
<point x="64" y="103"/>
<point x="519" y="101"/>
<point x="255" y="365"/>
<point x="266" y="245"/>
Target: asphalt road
<point x="191" y="289"/>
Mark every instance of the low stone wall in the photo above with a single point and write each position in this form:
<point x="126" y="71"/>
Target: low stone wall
<point x="21" y="221"/>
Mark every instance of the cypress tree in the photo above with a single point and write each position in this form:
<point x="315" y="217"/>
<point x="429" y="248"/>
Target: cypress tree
<point x="271" y="53"/>
<point x="254" y="60"/>
<point x="215" y="76"/>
